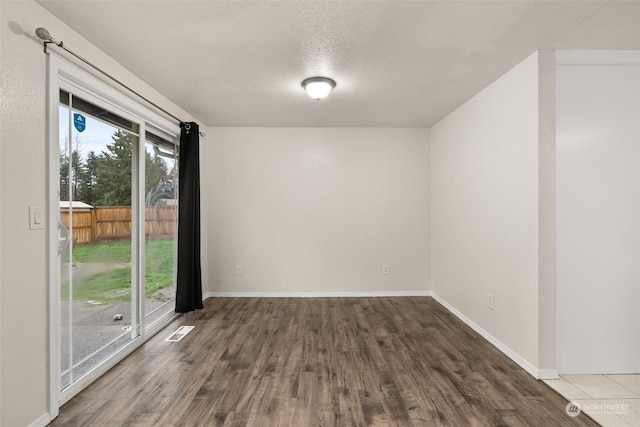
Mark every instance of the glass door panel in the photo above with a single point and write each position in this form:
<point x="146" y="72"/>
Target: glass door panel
<point x="161" y="215"/>
<point x="98" y="297"/>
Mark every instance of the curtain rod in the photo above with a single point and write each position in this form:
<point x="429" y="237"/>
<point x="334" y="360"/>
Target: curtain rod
<point x="46" y="38"/>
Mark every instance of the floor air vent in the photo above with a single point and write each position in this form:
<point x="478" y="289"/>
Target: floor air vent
<point x="180" y="333"/>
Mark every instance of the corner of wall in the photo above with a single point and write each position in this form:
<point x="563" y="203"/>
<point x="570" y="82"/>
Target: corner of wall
<point x="547" y="210"/>
<point x="205" y="203"/>
<point x="429" y="284"/>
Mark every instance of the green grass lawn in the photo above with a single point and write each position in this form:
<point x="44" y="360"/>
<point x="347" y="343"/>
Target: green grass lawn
<point x="112" y="280"/>
<point x="109" y="251"/>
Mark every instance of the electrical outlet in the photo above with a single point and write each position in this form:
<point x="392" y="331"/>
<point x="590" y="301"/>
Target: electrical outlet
<point x="239" y="270"/>
<point x="490" y="301"/>
<point x="385" y="270"/>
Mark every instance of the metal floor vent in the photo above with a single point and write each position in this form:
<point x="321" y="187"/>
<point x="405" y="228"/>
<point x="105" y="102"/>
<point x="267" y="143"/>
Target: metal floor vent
<point x="180" y="333"/>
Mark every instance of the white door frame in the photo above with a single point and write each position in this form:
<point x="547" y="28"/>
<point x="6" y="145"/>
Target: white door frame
<point x="61" y="74"/>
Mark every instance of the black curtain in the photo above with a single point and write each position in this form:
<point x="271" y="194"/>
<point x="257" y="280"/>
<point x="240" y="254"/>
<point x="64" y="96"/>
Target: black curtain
<point x="189" y="280"/>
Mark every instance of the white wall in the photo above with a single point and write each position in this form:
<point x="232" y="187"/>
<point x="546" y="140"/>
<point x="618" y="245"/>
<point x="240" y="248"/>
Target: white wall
<point x="23" y="279"/>
<point x="317" y="209"/>
<point x="485" y="210"/>
<point x="598" y="286"/>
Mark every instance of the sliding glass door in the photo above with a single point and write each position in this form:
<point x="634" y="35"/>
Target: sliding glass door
<point x="113" y="217"/>
<point x="98" y="283"/>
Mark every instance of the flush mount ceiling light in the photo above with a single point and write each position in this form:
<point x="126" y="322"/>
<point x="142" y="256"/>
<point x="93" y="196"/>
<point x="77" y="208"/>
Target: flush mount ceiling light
<point x="318" y="87"/>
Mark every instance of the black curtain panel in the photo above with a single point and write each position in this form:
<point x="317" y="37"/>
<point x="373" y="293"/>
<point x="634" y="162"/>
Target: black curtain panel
<point x="189" y="280"/>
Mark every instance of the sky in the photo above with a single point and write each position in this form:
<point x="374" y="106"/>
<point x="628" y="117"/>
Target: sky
<point x="94" y="137"/>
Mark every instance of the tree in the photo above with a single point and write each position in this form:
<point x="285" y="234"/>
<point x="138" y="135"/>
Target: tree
<point x="74" y="176"/>
<point x="158" y="180"/>
<point x="90" y="179"/>
<point x="105" y="179"/>
<point x="113" y="171"/>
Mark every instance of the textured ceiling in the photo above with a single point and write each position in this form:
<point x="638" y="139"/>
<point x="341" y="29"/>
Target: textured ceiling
<point x="240" y="63"/>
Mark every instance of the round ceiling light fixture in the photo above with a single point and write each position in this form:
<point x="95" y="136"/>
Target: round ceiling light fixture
<point x="318" y="87"/>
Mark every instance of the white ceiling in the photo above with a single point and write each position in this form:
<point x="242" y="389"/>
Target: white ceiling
<point x="240" y="63"/>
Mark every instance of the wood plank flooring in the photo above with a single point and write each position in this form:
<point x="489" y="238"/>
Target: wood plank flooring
<point x="319" y="362"/>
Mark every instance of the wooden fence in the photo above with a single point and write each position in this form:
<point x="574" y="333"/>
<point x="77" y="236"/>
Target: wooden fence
<point x="114" y="222"/>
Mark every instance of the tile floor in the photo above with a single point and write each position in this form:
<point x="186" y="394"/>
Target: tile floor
<point x="611" y="400"/>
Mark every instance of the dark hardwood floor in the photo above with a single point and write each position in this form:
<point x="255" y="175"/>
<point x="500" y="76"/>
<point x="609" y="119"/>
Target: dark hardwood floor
<point x="319" y="362"/>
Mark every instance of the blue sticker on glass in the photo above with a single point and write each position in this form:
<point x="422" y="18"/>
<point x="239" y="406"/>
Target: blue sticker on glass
<point x="79" y="122"/>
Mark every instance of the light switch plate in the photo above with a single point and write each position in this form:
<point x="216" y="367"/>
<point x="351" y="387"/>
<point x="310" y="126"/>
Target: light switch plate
<point x="36" y="217"/>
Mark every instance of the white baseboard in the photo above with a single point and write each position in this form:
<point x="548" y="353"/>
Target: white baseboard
<point x="42" y="421"/>
<point x="524" y="364"/>
<point x="548" y="374"/>
<point x="367" y="294"/>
